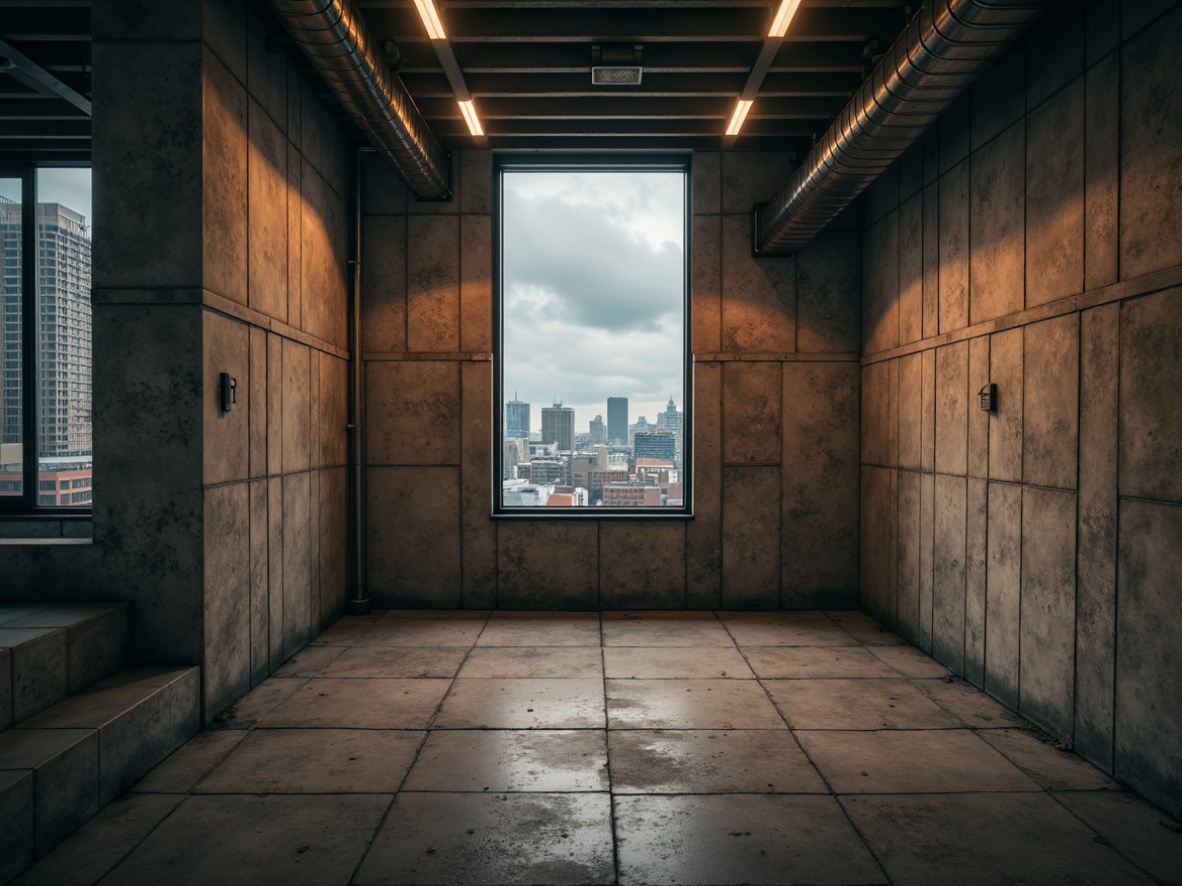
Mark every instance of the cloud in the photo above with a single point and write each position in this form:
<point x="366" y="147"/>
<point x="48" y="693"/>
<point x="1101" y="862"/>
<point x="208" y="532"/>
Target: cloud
<point x="593" y="291"/>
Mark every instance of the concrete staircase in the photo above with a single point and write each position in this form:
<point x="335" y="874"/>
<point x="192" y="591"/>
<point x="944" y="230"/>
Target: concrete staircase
<point x="77" y="725"/>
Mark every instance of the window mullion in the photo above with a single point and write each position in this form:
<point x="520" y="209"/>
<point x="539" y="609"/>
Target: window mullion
<point x="29" y="307"/>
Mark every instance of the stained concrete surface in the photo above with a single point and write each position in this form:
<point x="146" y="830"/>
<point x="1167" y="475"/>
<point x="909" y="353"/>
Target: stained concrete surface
<point x="779" y="772"/>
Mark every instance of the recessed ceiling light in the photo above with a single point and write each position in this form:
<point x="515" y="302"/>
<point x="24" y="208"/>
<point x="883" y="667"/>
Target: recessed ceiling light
<point x="739" y="116"/>
<point x="431" y="20"/>
<point x="783" y="18"/>
<point x="468" y="109"/>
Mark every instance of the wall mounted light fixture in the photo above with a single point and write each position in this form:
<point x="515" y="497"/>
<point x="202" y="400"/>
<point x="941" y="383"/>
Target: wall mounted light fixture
<point x="988" y="395"/>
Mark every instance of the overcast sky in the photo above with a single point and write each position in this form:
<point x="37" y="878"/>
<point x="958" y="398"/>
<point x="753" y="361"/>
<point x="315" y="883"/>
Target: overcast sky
<point x="593" y="290"/>
<point x="70" y="187"/>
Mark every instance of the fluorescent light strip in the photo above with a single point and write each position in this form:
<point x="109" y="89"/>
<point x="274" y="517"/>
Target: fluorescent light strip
<point x="468" y="109"/>
<point x="739" y="116"/>
<point x="431" y="20"/>
<point x="783" y="18"/>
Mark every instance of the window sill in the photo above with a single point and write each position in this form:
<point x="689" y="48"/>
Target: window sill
<point x="71" y="530"/>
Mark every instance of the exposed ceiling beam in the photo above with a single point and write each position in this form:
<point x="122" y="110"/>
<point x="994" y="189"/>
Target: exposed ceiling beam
<point x="20" y="67"/>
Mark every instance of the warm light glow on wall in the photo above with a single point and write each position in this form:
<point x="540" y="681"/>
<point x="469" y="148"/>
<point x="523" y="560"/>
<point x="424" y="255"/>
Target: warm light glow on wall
<point x="783" y="18"/>
<point x="738" y="117"/>
<point x="468" y="109"/>
<point x="431" y="20"/>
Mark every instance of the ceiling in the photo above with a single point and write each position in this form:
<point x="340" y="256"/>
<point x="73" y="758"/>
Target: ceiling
<point x="527" y="65"/>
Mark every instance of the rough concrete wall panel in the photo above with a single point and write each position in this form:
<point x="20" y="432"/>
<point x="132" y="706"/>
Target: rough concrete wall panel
<point x="910" y="410"/>
<point x="477" y="177"/>
<point x="476" y="283"/>
<point x="1096" y="613"/>
<point x="906" y="604"/>
<point x="954" y="132"/>
<point x="750" y="177"/>
<point x="1148" y="753"/>
<point x="642" y="570"/>
<point x="257" y="402"/>
<point x="706" y="284"/>
<point x="953" y="236"/>
<point x="997" y="218"/>
<point x="1006" y="353"/>
<point x="1054" y="52"/>
<point x="751" y="403"/>
<point x="819" y="499"/>
<point x="911" y="270"/>
<point x="704" y="532"/>
<point x="383" y="283"/>
<point x="880" y="285"/>
<point x="275" y="572"/>
<point x="927" y="559"/>
<point x="1151" y="396"/>
<point x="876" y="414"/>
<point x="413" y="412"/>
<point x="948" y="588"/>
<point x="225" y="435"/>
<point x="750" y="537"/>
<point x="976" y="532"/>
<point x="266" y="170"/>
<point x="409" y="511"/>
<point x="548" y="565"/>
<point x="952" y="408"/>
<point x="758" y="296"/>
<point x="978" y="376"/>
<point x="927" y="406"/>
<point x="296" y="407"/>
<point x="1102" y="173"/>
<point x="297" y="544"/>
<point x="224" y="148"/>
<point x="931" y="259"/>
<point x="828" y="294"/>
<point x="1047" y="643"/>
<point x="1151" y="149"/>
<point x="707" y="182"/>
<point x="260" y="607"/>
<point x="227" y="617"/>
<point x="295" y="246"/>
<point x="999" y="96"/>
<point x="433" y="283"/>
<point x="479" y="539"/>
<point x="1003" y="592"/>
<point x="1055" y="197"/>
<point x="1050" y="439"/>
<point x="878" y="546"/>
<point x="333" y="544"/>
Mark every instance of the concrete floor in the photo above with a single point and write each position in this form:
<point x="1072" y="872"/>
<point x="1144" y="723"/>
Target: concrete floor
<point x="625" y="748"/>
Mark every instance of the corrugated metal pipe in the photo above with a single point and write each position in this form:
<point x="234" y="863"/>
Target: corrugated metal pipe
<point x="940" y="53"/>
<point x="333" y="36"/>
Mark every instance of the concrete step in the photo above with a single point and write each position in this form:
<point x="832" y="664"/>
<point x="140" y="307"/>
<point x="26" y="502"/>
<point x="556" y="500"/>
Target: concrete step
<point x="58" y="768"/>
<point x="49" y="652"/>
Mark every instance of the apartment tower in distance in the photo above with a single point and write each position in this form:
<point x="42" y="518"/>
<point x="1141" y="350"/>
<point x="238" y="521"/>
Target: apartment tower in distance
<point x="617" y="420"/>
<point x="517" y="419"/>
<point x="558" y="426"/>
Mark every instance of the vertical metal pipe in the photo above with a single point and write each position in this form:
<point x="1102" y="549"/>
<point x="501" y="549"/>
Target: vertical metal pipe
<point x="358" y="603"/>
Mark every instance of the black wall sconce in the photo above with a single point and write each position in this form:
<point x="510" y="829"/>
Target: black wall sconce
<point x="229" y="391"/>
<point x="988" y="395"/>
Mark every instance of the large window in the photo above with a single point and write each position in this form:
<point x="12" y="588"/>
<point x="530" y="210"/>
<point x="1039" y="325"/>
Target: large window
<point x="592" y="365"/>
<point x="45" y="349"/>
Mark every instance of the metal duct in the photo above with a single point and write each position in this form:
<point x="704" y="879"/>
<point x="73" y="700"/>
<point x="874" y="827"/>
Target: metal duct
<point x="937" y="57"/>
<point x="333" y="36"/>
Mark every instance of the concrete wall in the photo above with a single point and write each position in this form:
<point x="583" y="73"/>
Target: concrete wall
<point x="1031" y="241"/>
<point x="220" y="243"/>
<point x="775" y="417"/>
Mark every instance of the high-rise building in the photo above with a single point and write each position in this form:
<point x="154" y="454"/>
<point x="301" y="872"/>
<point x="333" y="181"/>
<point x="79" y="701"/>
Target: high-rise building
<point x="642" y="424"/>
<point x="670" y="419"/>
<point x="558" y="426"/>
<point x="655" y="444"/>
<point x="64" y="330"/>
<point x="598" y="431"/>
<point x="617" y="420"/>
<point x="517" y="418"/>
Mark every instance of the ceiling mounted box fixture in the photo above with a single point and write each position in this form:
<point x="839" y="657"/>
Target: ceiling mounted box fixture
<point x="616" y="64"/>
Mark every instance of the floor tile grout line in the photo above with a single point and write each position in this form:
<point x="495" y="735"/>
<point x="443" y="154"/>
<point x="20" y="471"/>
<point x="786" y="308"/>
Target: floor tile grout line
<point x="817" y="769"/>
<point x="607" y="756"/>
<point x="427" y="730"/>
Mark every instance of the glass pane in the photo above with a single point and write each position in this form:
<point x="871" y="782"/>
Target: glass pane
<point x="11" y="461"/>
<point x="63" y="338"/>
<point x="593" y="338"/>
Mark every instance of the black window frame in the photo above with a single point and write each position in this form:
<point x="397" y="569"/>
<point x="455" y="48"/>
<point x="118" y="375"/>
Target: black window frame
<point x="591" y="163"/>
<point x="27" y="505"/>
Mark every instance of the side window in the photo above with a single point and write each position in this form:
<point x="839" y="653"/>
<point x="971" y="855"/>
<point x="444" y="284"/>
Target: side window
<point x="592" y="360"/>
